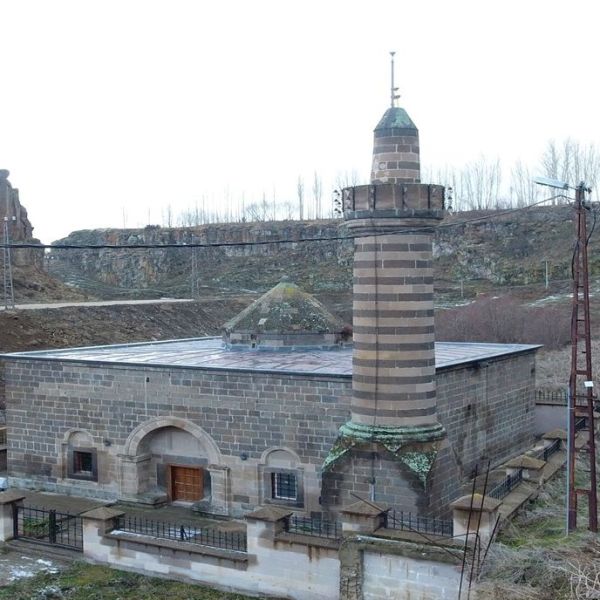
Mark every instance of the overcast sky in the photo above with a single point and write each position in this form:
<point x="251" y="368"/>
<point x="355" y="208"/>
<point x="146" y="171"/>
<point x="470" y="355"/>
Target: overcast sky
<point x="112" y="110"/>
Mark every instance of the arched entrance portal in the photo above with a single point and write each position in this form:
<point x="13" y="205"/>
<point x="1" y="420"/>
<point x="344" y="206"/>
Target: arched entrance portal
<point x="178" y="464"/>
<point x="173" y="460"/>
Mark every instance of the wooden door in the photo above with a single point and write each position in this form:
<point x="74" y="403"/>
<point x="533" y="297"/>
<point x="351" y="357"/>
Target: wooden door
<point x="187" y="484"/>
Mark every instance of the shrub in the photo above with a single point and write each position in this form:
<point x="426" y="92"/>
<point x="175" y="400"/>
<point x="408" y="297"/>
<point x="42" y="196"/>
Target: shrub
<point x="504" y="320"/>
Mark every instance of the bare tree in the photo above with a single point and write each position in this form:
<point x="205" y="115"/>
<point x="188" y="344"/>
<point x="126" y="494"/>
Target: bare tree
<point x="317" y="190"/>
<point x="253" y="212"/>
<point x="449" y="178"/>
<point x="347" y="178"/>
<point x="300" y="192"/>
<point x="274" y="205"/>
<point x="572" y="162"/>
<point x="167" y="216"/>
<point x="264" y="207"/>
<point x="479" y="184"/>
<point x="523" y="190"/>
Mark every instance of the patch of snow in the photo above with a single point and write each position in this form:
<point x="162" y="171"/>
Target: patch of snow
<point x="41" y="561"/>
<point x="19" y="573"/>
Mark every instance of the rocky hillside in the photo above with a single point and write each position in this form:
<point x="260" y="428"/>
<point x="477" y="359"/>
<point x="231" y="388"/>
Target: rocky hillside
<point x="30" y="281"/>
<point x="315" y="266"/>
<point x="483" y="249"/>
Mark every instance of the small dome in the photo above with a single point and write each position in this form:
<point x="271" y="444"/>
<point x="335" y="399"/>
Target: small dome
<point x="285" y="318"/>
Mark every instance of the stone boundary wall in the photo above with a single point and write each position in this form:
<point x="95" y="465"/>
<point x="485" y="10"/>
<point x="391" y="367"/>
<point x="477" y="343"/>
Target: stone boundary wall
<point x="285" y="565"/>
<point x="272" y="568"/>
<point x="408" y="575"/>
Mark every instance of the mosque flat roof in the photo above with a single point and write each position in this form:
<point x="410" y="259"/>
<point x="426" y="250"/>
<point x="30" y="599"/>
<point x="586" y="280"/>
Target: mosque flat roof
<point x="209" y="353"/>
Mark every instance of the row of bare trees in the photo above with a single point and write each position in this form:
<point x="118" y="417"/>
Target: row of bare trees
<point x="478" y="185"/>
<point x="482" y="185"/>
<point x="309" y="203"/>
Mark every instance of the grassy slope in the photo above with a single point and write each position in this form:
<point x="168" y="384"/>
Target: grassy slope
<point x="534" y="559"/>
<point x="91" y="582"/>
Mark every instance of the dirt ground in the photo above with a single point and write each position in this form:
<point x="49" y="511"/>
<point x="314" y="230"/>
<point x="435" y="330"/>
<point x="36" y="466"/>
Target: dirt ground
<point x="18" y="564"/>
<point x="72" y="326"/>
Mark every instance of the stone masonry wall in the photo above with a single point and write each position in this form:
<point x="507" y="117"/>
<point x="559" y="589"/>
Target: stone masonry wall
<point x="488" y="412"/>
<point x="488" y="409"/>
<point x="246" y="413"/>
<point x="408" y="578"/>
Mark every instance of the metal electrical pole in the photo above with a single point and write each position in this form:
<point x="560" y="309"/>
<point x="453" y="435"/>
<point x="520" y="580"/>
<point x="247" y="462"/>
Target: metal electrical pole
<point x="581" y="386"/>
<point x="194" y="291"/>
<point x="9" y="292"/>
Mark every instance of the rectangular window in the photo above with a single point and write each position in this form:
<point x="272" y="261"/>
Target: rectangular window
<point x="83" y="463"/>
<point x="284" y="486"/>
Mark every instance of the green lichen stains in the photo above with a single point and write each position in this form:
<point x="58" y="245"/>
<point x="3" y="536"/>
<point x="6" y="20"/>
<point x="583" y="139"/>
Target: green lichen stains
<point x="341" y="446"/>
<point x="414" y="447"/>
<point x="420" y="463"/>
<point x="285" y="308"/>
<point x="392" y="436"/>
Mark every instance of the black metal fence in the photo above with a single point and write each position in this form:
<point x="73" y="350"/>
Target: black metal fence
<point x="313" y="526"/>
<point x="203" y="536"/>
<point x="49" y="527"/>
<point x="551" y="397"/>
<point x="502" y="489"/>
<point x="406" y="521"/>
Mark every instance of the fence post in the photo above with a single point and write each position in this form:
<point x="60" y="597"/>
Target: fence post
<point x="363" y="517"/>
<point x="96" y="524"/>
<point x="468" y="513"/>
<point x="9" y="506"/>
<point x="52" y="526"/>
<point x="532" y="468"/>
<point x="262" y="527"/>
<point x="556" y="434"/>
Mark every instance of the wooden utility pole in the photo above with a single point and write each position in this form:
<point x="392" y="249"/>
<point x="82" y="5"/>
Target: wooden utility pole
<point x="581" y="386"/>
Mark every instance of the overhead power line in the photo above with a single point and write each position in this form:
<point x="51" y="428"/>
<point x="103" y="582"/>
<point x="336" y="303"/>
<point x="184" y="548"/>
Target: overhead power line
<point x="259" y="242"/>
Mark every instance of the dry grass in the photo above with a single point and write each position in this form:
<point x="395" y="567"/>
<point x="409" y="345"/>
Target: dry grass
<point x="533" y="558"/>
<point x="554" y="366"/>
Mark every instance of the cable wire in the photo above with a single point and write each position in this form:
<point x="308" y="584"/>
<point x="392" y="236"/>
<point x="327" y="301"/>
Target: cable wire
<point x="261" y="242"/>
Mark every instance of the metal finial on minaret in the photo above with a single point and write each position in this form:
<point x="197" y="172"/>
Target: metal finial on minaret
<point x="393" y="95"/>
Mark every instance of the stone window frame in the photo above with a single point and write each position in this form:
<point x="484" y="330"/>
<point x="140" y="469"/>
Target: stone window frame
<point x="267" y="480"/>
<point x="82" y="475"/>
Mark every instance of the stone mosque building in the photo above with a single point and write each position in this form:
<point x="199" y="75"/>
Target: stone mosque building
<point x="289" y="407"/>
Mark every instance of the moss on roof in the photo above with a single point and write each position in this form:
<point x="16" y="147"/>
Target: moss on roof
<point x="395" y="118"/>
<point x="285" y="309"/>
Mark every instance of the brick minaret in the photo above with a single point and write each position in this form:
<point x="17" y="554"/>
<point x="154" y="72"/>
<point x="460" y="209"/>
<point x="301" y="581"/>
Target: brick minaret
<point x="393" y="382"/>
<point x="393" y="420"/>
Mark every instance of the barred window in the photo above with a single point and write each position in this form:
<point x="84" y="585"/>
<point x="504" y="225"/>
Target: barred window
<point x="284" y="486"/>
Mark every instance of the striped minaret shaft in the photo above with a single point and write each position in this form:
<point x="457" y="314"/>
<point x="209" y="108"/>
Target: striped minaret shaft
<point x="393" y="383"/>
<point x="393" y="363"/>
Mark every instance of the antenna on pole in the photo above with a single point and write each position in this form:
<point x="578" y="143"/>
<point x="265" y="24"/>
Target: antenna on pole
<point x="393" y="90"/>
